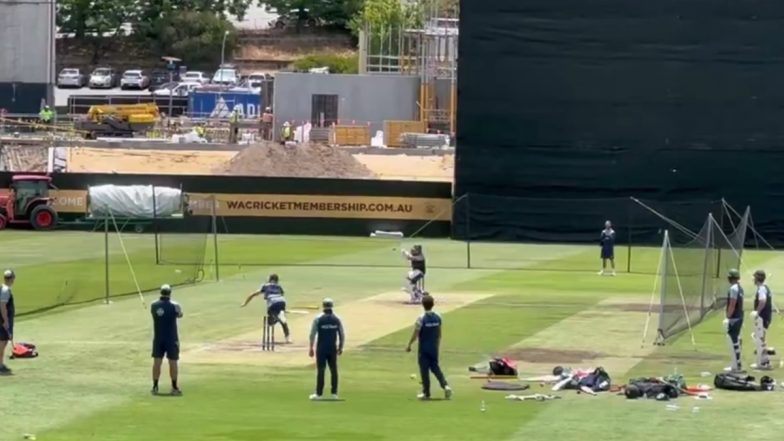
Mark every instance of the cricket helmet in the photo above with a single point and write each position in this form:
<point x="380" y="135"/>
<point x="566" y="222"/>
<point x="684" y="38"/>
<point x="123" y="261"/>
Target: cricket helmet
<point x="759" y="275"/>
<point x="558" y="370"/>
<point x="9" y="275"/>
<point x="416" y="249"/>
<point x="166" y="290"/>
<point x="327" y="303"/>
<point x="733" y="274"/>
<point x="273" y="278"/>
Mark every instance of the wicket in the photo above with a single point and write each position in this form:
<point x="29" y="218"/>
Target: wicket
<point x="268" y="335"/>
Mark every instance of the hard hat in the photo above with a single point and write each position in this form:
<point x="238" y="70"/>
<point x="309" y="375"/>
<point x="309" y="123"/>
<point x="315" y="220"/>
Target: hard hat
<point x="286" y="124"/>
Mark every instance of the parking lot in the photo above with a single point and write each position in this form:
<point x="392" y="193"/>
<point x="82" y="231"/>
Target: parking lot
<point x="61" y="95"/>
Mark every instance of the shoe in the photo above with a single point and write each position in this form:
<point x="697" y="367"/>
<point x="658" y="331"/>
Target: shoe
<point x="176" y="392"/>
<point x="733" y="369"/>
<point x="600" y="273"/>
<point x="422" y="397"/>
<point x="154" y="390"/>
<point x="448" y="393"/>
<point x="335" y="397"/>
<point x="5" y="370"/>
<point x="288" y="340"/>
<point x="314" y="397"/>
<point x="613" y="273"/>
<point x="761" y="367"/>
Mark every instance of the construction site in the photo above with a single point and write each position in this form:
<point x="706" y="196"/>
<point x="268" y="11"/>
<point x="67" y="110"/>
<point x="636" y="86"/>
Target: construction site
<point x="394" y="120"/>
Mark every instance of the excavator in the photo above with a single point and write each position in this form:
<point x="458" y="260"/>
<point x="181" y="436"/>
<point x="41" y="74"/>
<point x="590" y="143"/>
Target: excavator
<point x="122" y="120"/>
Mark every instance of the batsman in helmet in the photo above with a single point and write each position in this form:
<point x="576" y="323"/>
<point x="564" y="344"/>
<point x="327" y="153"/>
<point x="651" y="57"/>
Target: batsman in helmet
<point x="276" y="303"/>
<point x="761" y="317"/>
<point x="733" y="321"/>
<point x="415" y="279"/>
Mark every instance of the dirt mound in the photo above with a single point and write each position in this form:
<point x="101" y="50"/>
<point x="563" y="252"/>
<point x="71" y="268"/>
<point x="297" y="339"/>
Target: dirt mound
<point x="300" y="161"/>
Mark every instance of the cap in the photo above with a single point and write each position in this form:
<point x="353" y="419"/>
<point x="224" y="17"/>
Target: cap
<point x="8" y="274"/>
<point x="166" y="289"/>
<point x="733" y="274"/>
<point x="327" y="303"/>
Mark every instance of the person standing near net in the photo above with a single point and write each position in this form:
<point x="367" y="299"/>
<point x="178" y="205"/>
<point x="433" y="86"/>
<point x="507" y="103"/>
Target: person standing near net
<point x="276" y="303"/>
<point x="761" y="317"/>
<point x="428" y="331"/>
<point x="166" y="341"/>
<point x="326" y="344"/>
<point x="415" y="279"/>
<point x="733" y="321"/>
<point x="607" y="243"/>
<point x="7" y="312"/>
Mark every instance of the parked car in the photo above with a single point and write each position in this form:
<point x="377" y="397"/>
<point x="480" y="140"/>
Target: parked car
<point x="195" y="76"/>
<point x="227" y="75"/>
<point x="70" y="77"/>
<point x="103" y="78"/>
<point x="134" y="79"/>
<point x="159" y="77"/>
<point x="176" y="89"/>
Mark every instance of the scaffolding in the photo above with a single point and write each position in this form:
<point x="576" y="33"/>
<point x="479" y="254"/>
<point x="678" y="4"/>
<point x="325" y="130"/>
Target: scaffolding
<point x="426" y="47"/>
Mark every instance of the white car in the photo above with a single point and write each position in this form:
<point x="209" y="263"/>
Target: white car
<point x="176" y="89"/>
<point x="71" y="78"/>
<point x="226" y="75"/>
<point x="134" y="79"/>
<point x="103" y="77"/>
<point x="195" y="76"/>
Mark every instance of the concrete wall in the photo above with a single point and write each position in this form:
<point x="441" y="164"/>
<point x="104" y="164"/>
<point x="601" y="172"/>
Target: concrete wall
<point x="365" y="98"/>
<point x="26" y="50"/>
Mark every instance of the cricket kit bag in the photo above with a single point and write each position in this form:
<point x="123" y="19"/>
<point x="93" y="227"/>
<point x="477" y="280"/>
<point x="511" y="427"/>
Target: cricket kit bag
<point x="651" y="388"/>
<point x="745" y="383"/>
<point x="24" y="350"/>
<point x="503" y="366"/>
<point x="597" y="381"/>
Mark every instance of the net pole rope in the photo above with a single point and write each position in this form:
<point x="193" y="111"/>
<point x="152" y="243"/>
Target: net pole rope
<point x="678" y="226"/>
<point x="127" y="259"/>
<point x="750" y="226"/>
<point x="443" y="210"/>
<point x="724" y="209"/>
<point x="653" y="294"/>
<point x="683" y="299"/>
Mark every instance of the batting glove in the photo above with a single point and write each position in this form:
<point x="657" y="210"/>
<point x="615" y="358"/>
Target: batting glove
<point x="725" y="323"/>
<point x="754" y="314"/>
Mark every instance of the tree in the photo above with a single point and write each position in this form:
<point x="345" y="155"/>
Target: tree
<point x="83" y="17"/>
<point x="337" y="12"/>
<point x="195" y="37"/>
<point x="384" y="16"/>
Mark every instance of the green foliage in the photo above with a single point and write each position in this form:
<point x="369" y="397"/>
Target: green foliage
<point x="84" y="17"/>
<point x="384" y="16"/>
<point x="345" y="64"/>
<point x="337" y="12"/>
<point x="195" y="37"/>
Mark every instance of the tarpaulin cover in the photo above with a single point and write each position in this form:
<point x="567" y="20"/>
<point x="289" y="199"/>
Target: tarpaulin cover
<point x="134" y="201"/>
<point x="670" y="100"/>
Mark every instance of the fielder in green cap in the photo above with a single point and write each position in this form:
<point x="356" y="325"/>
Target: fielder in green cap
<point x="733" y="322"/>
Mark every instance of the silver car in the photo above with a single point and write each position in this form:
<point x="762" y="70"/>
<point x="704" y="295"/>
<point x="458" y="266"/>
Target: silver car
<point x="134" y="79"/>
<point x="103" y="78"/>
<point x="69" y="77"/>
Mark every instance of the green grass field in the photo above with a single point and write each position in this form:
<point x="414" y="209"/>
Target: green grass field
<point x="544" y="304"/>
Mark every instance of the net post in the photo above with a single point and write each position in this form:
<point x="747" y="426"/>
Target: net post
<point x="106" y="258"/>
<point x="468" y="230"/>
<point x="705" y="269"/>
<point x="629" y="236"/>
<point x="155" y="227"/>
<point x="214" y="216"/>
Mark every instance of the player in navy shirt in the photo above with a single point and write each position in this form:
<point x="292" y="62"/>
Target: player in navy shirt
<point x="276" y="303"/>
<point x="761" y="317"/>
<point x="327" y="339"/>
<point x="733" y="323"/>
<point x="166" y="341"/>
<point x="607" y="243"/>
<point x="428" y="331"/>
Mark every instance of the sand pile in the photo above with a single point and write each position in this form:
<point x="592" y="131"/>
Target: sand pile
<point x="300" y="161"/>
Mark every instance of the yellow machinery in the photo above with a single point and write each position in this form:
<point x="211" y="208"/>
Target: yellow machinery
<point x="122" y="120"/>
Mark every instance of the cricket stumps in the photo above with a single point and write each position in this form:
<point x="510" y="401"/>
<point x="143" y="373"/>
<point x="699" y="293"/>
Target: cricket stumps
<point x="268" y="335"/>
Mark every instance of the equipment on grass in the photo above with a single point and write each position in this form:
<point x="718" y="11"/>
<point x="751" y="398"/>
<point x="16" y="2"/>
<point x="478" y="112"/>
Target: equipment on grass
<point x="651" y="388"/>
<point x="502" y="385"/>
<point x="27" y="202"/>
<point x="118" y="120"/>
<point x="268" y="334"/>
<point x="742" y="382"/>
<point x="534" y="397"/>
<point x="24" y="350"/>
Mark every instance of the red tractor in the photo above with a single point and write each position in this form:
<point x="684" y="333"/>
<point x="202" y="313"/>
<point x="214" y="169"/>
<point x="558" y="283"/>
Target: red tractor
<point x="28" y="202"/>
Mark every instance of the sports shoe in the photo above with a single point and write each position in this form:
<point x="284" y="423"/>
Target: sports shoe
<point x="154" y="390"/>
<point x="335" y="397"/>
<point x="761" y="367"/>
<point x="314" y="397"/>
<point x="5" y="370"/>
<point x="600" y="273"/>
<point x="613" y="273"/>
<point x="288" y="340"/>
<point x="448" y="393"/>
<point x="176" y="392"/>
<point x="732" y="369"/>
<point x="422" y="397"/>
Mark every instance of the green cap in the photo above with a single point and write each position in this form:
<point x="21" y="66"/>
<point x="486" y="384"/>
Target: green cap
<point x="733" y="274"/>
